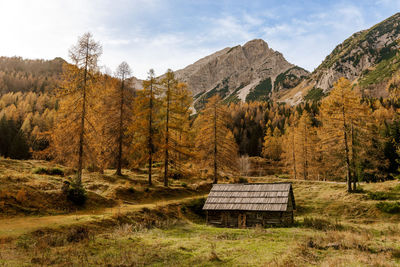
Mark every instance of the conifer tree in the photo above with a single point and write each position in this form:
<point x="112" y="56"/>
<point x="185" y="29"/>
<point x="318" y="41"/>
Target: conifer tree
<point x="341" y="115"/>
<point x="72" y="128"/>
<point x="169" y="83"/>
<point x="289" y="146"/>
<point x="181" y="135"/>
<point x="145" y="127"/>
<point x="272" y="148"/>
<point x="123" y="73"/>
<point x="215" y="143"/>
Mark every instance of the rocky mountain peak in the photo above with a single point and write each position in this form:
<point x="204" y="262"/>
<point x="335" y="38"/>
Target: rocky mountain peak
<point x="368" y="58"/>
<point x="248" y="72"/>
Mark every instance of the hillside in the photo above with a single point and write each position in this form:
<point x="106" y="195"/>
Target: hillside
<point x="28" y="75"/>
<point x="333" y="228"/>
<point x="247" y="73"/>
<point x="369" y="58"/>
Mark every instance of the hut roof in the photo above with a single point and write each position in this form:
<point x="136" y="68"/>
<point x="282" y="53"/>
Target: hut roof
<point x="251" y="197"/>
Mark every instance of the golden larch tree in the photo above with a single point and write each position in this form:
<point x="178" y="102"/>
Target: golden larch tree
<point x="78" y="89"/>
<point x="215" y="143"/>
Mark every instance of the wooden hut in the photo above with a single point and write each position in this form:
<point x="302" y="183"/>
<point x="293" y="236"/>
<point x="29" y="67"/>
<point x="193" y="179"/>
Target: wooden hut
<point x="249" y="205"/>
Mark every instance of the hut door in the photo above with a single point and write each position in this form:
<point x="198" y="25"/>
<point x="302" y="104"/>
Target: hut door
<point x="242" y="220"/>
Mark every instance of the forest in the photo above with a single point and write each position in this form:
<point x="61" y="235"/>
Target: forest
<point x="76" y="115"/>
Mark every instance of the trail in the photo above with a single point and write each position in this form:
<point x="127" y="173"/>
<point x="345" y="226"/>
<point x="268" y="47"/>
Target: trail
<point x="16" y="226"/>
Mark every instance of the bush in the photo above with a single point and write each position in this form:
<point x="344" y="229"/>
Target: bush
<point x="78" y="234"/>
<point x="378" y="195"/>
<point x="196" y="206"/>
<point x="77" y="194"/>
<point x="389" y="207"/>
<point x="48" y="171"/>
<point x="242" y="180"/>
<point x="184" y="184"/>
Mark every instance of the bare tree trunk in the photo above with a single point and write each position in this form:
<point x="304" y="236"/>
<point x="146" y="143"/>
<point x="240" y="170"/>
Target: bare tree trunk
<point x="120" y="137"/>
<point x="346" y="148"/>
<point x="151" y="132"/>
<point x="215" y="146"/>
<point x="294" y="156"/>
<point x="353" y="165"/>
<point x="166" y="139"/>
<point x="83" y="115"/>
<point x="305" y="174"/>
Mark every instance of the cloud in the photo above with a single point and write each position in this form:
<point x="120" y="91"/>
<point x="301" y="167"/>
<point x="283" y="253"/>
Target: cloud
<point x="172" y="34"/>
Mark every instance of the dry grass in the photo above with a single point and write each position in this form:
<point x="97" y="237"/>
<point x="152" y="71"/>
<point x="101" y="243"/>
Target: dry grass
<point x="333" y="228"/>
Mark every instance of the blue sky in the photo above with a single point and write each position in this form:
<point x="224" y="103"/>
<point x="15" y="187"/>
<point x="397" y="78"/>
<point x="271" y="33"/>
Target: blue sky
<point x="163" y="34"/>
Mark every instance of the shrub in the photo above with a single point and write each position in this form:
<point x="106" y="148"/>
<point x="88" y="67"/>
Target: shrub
<point x="242" y="180"/>
<point x="78" y="234"/>
<point x="184" y="184"/>
<point x="378" y="195"/>
<point x="389" y="207"/>
<point x="77" y="194"/>
<point x="196" y="206"/>
<point x="48" y="171"/>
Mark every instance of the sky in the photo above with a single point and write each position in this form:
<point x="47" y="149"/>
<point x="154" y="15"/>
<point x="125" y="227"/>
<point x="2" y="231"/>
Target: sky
<point x="162" y="34"/>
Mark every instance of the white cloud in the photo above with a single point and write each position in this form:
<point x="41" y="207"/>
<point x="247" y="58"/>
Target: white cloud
<point x="127" y="31"/>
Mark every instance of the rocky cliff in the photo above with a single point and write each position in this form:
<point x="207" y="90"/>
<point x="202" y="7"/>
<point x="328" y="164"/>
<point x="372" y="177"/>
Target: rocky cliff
<point x="369" y="58"/>
<point x="249" y="72"/>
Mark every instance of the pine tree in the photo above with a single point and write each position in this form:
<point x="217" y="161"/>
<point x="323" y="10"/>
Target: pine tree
<point x="215" y="144"/>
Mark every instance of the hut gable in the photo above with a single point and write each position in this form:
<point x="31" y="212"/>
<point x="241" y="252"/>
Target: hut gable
<point x="251" y="197"/>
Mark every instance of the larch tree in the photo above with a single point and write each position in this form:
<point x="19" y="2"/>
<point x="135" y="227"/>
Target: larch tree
<point x="145" y="125"/>
<point x="181" y="137"/>
<point x="289" y="146"/>
<point x="304" y="135"/>
<point x="341" y="115"/>
<point x="215" y="143"/>
<point x="123" y="73"/>
<point x="169" y="83"/>
<point x="272" y="147"/>
<point x="76" y="97"/>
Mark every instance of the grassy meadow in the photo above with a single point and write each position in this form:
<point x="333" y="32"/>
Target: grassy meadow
<point x="134" y="225"/>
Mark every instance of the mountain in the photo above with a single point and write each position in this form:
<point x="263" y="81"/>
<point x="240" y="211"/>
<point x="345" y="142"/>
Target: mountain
<point x="369" y="58"/>
<point x="249" y="72"/>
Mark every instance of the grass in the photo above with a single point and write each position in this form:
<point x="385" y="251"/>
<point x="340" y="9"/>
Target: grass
<point x="48" y="171"/>
<point x="332" y="228"/>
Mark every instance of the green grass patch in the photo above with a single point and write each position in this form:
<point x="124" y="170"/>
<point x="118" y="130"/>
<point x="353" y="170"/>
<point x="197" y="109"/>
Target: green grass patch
<point x="315" y="95"/>
<point x="378" y="195"/>
<point x="384" y="70"/>
<point x="389" y="207"/>
<point x="261" y="91"/>
<point x="48" y="171"/>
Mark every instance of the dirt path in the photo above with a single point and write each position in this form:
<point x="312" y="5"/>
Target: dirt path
<point x="21" y="225"/>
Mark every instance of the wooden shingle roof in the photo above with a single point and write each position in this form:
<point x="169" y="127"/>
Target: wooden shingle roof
<point x="250" y="197"/>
